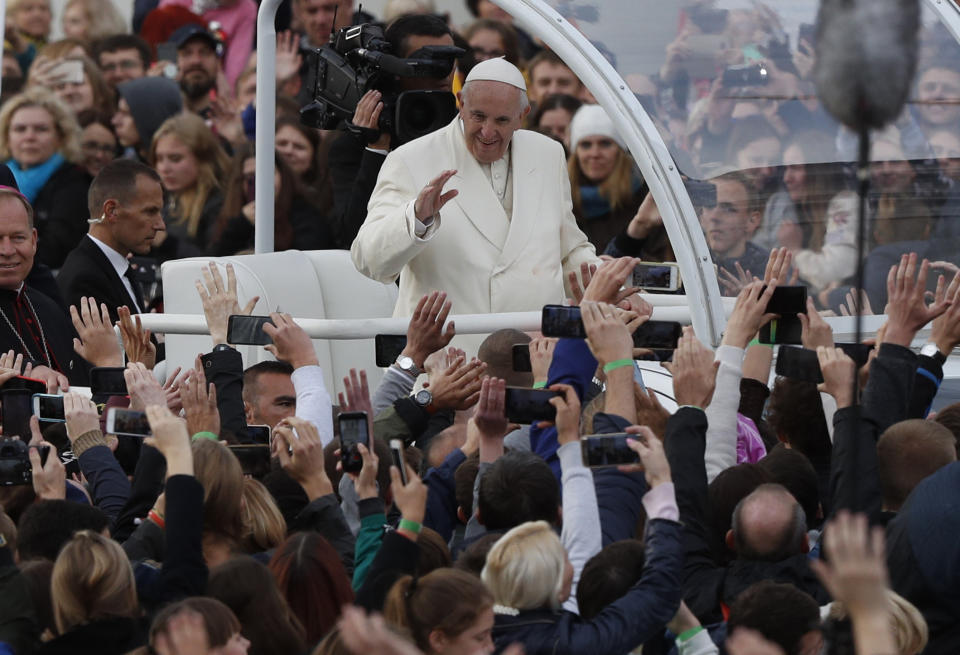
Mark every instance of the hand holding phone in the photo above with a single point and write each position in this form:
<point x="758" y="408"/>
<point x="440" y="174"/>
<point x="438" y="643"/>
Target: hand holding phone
<point x="657" y="276"/>
<point x="353" y="431"/>
<point x="248" y="330"/>
<point x="48" y="407"/>
<point x="396" y="451"/>
<point x="528" y="406"/>
<point x="605" y="450"/>
<point x="17" y="408"/>
<point x="128" y="422"/>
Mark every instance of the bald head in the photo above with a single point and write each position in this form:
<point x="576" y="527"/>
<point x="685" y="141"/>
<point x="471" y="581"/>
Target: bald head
<point x="769" y="525"/>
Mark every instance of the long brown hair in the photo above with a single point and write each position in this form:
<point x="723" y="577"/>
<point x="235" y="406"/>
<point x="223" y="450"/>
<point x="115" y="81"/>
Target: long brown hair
<point x="234" y="197"/>
<point x="218" y="470"/>
<point x="212" y="164"/>
<point x="218" y="619"/>
<point x="448" y="600"/>
<point x="617" y="189"/>
<point x="312" y="578"/>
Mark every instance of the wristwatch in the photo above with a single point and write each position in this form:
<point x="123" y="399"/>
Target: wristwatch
<point x="931" y="349"/>
<point x="424" y="399"/>
<point x="406" y="364"/>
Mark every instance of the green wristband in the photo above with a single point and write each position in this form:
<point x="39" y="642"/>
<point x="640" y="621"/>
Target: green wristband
<point x="617" y="363"/>
<point x="756" y="342"/>
<point x="410" y="526"/>
<point x="206" y="435"/>
<point x="686" y="635"/>
<point x="539" y="385"/>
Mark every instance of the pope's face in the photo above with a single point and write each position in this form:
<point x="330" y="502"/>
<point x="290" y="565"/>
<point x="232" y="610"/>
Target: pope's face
<point x="491" y="113"/>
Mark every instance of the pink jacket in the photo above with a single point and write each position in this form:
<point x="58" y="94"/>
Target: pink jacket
<point x="239" y="22"/>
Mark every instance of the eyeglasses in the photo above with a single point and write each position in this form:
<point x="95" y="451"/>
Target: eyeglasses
<point x="127" y="65"/>
<point x="482" y="53"/>
<point x="93" y="146"/>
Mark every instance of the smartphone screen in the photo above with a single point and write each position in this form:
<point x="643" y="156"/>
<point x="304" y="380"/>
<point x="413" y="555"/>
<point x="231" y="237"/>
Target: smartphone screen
<point x="128" y="422"/>
<point x="788" y="301"/>
<point x="656" y="277"/>
<point x="798" y="364"/>
<point x="353" y="432"/>
<point x="254" y="459"/>
<point x="388" y="348"/>
<point x="521" y="357"/>
<point x="70" y="71"/>
<point x="17" y="408"/>
<point x="527" y="406"/>
<point x="562" y="321"/>
<point x="396" y="451"/>
<point x="782" y="330"/>
<point x="658" y="335"/>
<point x="600" y="450"/>
<point x="48" y="407"/>
<point x="108" y="380"/>
<point x="248" y="330"/>
<point x="259" y="434"/>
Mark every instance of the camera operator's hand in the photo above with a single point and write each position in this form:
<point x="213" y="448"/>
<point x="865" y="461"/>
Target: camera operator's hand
<point x="425" y="332"/>
<point x="431" y="198"/>
<point x="367" y="115"/>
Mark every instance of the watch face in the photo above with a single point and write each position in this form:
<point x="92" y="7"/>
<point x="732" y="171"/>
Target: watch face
<point x="406" y="363"/>
<point x="423" y="397"/>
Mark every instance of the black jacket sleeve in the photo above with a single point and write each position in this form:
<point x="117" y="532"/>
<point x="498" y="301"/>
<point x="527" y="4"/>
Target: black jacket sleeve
<point x="925" y="386"/>
<point x="397" y="557"/>
<point x="184" y="571"/>
<point x="355" y="170"/>
<point x="324" y="515"/>
<point x="224" y="368"/>
<point x="147" y="485"/>
<point x="685" y="445"/>
<point x="885" y="401"/>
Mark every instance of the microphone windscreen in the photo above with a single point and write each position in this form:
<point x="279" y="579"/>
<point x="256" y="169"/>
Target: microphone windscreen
<point x="866" y="56"/>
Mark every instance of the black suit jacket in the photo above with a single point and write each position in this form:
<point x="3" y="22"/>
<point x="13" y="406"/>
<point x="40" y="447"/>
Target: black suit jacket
<point x="88" y="272"/>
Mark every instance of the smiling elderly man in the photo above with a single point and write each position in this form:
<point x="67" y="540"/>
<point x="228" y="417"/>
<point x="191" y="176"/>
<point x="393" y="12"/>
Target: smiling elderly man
<point x="504" y="236"/>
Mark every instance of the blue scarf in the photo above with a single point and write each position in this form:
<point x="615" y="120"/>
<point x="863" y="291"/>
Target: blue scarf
<point x="32" y="179"/>
<point x="593" y="205"/>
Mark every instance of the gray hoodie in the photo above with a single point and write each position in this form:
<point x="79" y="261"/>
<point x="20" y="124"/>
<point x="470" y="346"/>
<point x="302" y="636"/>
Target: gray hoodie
<point x="152" y="100"/>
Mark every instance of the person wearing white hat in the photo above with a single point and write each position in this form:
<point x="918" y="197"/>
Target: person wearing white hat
<point x="503" y="237"/>
<point x="606" y="190"/>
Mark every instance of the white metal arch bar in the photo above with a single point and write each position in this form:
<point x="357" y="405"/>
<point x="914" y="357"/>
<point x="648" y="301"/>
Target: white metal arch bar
<point x="949" y="13"/>
<point x="649" y="151"/>
<point x="266" y="124"/>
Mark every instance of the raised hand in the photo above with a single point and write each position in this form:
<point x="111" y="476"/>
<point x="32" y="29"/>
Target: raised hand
<point x="291" y="343"/>
<point x="170" y="437"/>
<point x="568" y="413"/>
<point x="98" y="342"/>
<point x="578" y="284"/>
<point x="431" y="198"/>
<point x="200" y="404"/>
<point x="357" y="397"/>
<point x="143" y="388"/>
<point x="838" y="371"/>
<point x="653" y="460"/>
<point x="10" y="365"/>
<point x="136" y="340"/>
<point x="945" y="331"/>
<point x="907" y="310"/>
<point x="55" y="380"/>
<point x="541" y="356"/>
<point x="297" y="444"/>
<point x="734" y="282"/>
<point x="425" y="332"/>
<point x="607" y="336"/>
<point x="609" y="283"/>
<point x="815" y="331"/>
<point x="856" y="574"/>
<point x="288" y="59"/>
<point x="365" y="481"/>
<point x="184" y="634"/>
<point x="81" y="415"/>
<point x="50" y="479"/>
<point x="779" y="267"/>
<point x="410" y="498"/>
<point x="458" y="387"/>
<point x="220" y="300"/>
<point x="694" y="371"/>
<point x="749" y="314"/>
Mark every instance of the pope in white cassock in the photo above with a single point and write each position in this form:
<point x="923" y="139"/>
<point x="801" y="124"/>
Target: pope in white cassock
<point x="503" y="237"/>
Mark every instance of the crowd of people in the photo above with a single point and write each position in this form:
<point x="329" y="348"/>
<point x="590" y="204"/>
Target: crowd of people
<point x="757" y="518"/>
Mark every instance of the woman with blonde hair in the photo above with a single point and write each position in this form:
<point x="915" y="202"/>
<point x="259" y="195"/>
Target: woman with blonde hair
<point x="605" y="190"/>
<point x="192" y="165"/>
<point x="263" y="523"/>
<point x="89" y="20"/>
<point x="907" y="624"/>
<point x="90" y="93"/>
<point x="40" y="143"/>
<point x="530" y="576"/>
<point x="94" y="596"/>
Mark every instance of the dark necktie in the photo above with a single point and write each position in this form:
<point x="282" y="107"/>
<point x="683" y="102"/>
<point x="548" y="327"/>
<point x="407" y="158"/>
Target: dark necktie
<point x="137" y="294"/>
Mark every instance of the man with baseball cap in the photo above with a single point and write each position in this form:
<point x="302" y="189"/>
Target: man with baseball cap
<point x="198" y="65"/>
<point x="502" y="237"/>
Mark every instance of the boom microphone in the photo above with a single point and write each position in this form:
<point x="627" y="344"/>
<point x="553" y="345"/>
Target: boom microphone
<point x="866" y="56"/>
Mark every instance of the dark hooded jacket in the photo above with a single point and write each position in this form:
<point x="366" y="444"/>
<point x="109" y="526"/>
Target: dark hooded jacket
<point x="152" y="100"/>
